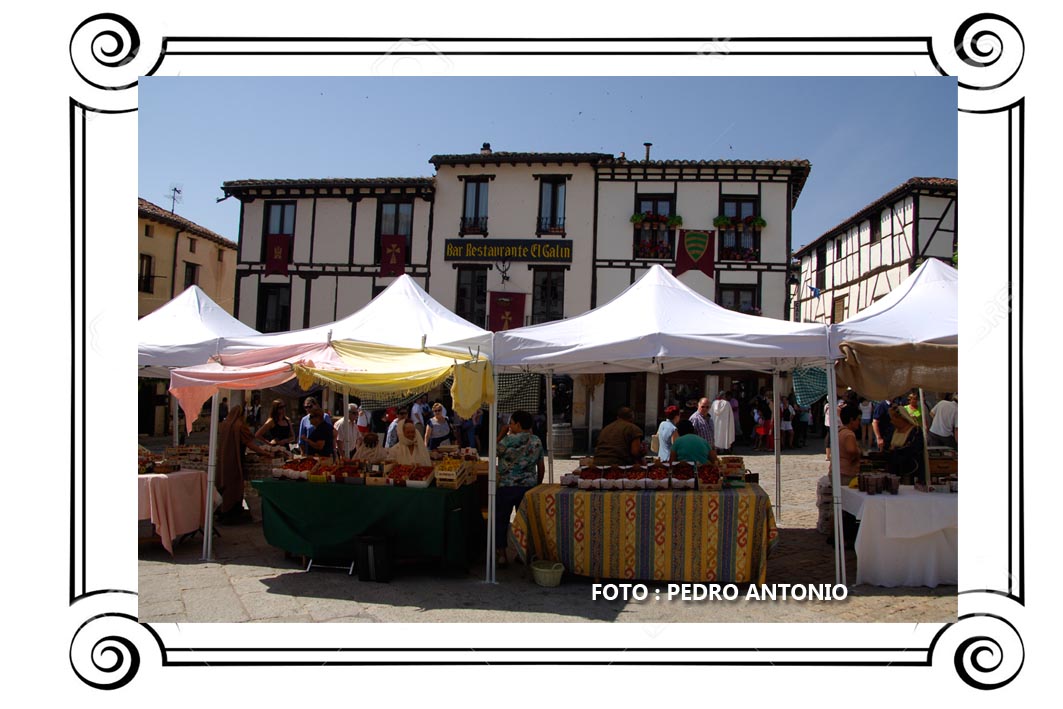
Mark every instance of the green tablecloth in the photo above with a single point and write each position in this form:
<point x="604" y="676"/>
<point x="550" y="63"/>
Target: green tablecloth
<point x="324" y="520"/>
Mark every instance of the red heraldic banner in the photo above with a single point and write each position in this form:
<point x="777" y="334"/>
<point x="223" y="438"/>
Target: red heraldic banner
<point x="278" y="253"/>
<point x="392" y="254"/>
<point x="696" y="249"/>
<point x="506" y="310"/>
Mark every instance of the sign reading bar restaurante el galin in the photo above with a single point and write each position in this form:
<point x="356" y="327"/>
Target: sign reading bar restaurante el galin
<point x="532" y="250"/>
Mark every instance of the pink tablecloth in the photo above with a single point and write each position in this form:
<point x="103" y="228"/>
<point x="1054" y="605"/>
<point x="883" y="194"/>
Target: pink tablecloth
<point x="174" y="503"/>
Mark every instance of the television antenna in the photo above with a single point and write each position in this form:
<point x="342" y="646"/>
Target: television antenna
<point x="174" y="195"/>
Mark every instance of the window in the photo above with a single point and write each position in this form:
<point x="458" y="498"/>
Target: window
<point x="149" y="230"/>
<point x="551" y="206"/>
<point x="876" y="228"/>
<point x="548" y="295"/>
<point x="191" y="245"/>
<point x="654" y="239"/>
<point x="838" y="248"/>
<point x="221" y="255"/>
<point x="838" y="311"/>
<point x="280" y="219"/>
<point x="146" y="279"/>
<point x="797" y="311"/>
<point x="821" y="266"/>
<point x="395" y="219"/>
<point x="191" y="274"/>
<point x="274" y="307"/>
<point x="472" y="294"/>
<point x="741" y="298"/>
<point x="739" y="242"/>
<point x="474" y="218"/>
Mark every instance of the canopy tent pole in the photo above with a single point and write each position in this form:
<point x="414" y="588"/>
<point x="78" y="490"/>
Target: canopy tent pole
<point x="176" y="422"/>
<point x="550" y="425"/>
<point x="835" y="474"/>
<point x="492" y="473"/>
<point x="212" y="467"/>
<point x="778" y="457"/>
<point x="926" y="443"/>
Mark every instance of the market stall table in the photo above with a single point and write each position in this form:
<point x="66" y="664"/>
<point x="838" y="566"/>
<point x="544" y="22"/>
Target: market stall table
<point x="325" y="520"/>
<point x="663" y="535"/>
<point x="173" y="502"/>
<point x="908" y="539"/>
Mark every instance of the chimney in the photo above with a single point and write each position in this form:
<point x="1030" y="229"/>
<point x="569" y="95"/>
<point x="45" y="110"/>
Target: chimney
<point x="622" y="156"/>
<point x="486" y="149"/>
<point x="648" y="146"/>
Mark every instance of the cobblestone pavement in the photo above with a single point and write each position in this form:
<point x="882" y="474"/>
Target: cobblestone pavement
<point x="251" y="581"/>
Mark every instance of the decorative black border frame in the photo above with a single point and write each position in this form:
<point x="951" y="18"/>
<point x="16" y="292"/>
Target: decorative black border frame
<point x="985" y="53"/>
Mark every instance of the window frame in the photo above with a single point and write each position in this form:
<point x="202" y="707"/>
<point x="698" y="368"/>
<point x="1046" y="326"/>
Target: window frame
<point x="552" y="223"/>
<point x="191" y="268"/>
<point x="475" y="223"/>
<point x="732" y="241"/>
<point x="191" y="245"/>
<point x="653" y="251"/>
<point x="380" y="233"/>
<point x="261" y="324"/>
<point x="146" y="281"/>
<point x="821" y="266"/>
<point x="470" y="314"/>
<point x="283" y="203"/>
<point x="537" y="314"/>
<point x="737" y="288"/>
<point x="149" y="231"/>
<point x="834" y="308"/>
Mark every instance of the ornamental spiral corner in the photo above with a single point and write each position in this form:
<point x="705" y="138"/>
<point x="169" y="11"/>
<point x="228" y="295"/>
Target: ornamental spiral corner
<point x="100" y="654"/>
<point x="988" y="652"/>
<point x="107" y="52"/>
<point x="986" y="52"/>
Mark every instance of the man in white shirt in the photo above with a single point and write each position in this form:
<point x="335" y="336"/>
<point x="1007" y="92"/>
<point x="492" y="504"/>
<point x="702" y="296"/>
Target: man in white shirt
<point x="944" y="427"/>
<point x="347" y="434"/>
<point x="417" y="415"/>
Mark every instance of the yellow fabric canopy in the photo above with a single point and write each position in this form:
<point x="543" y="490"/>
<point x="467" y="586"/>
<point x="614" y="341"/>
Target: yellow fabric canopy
<point x="370" y="369"/>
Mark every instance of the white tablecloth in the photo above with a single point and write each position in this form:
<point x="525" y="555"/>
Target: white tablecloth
<point x="908" y="539"/>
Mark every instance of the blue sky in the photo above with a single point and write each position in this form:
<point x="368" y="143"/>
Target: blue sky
<point x="863" y="136"/>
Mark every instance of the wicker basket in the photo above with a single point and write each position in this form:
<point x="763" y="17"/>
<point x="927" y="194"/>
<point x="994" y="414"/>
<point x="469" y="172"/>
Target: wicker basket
<point x="547" y="573"/>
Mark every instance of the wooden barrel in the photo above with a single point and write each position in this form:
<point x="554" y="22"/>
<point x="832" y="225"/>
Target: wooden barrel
<point x="562" y="440"/>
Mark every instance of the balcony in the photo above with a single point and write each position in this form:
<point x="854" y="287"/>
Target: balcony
<point x="473" y="225"/>
<point x="659" y="249"/>
<point x="738" y="253"/>
<point x="550" y="225"/>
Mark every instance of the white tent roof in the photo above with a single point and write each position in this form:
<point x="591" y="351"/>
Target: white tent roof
<point x="400" y="317"/>
<point x="184" y="332"/>
<point x="660" y="325"/>
<point x="924" y="308"/>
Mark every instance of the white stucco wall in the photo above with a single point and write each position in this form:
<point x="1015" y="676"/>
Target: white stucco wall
<point x="365" y="231"/>
<point x="304" y="214"/>
<point x="697" y="203"/>
<point x="611" y="283"/>
<point x="616" y="204"/>
<point x="332" y="231"/>
<point x="773" y="208"/>
<point x="251" y="237"/>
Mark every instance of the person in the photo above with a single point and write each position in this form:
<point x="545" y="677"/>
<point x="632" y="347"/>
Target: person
<point x="866" y="409"/>
<point x="881" y="425"/>
<point x="520" y="467"/>
<point x="234" y="437"/>
<point x="304" y="424"/>
<point x="913" y="409"/>
<point x="437" y="430"/>
<point x="943" y="423"/>
<point x="363" y="418"/>
<point x="321" y="438"/>
<point x="620" y="442"/>
<point x="369" y="449"/>
<point x="410" y="450"/>
<point x="468" y="429"/>
<point x="848" y="465"/>
<point x="827" y="418"/>
<point x="395" y="427"/>
<point x="690" y="446"/>
<point x="723" y="423"/>
<point x="906" y="445"/>
<point x="786" y="422"/>
<point x="417" y="414"/>
<point x="277" y="430"/>
<point x="666" y="432"/>
<point x="223" y="409"/>
<point x="766" y="426"/>
<point x="801" y="424"/>
<point x="702" y="421"/>
<point x="348" y="436"/>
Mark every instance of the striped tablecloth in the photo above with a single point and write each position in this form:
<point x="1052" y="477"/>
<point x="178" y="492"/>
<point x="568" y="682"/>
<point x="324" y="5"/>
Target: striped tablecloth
<point x="658" y="535"/>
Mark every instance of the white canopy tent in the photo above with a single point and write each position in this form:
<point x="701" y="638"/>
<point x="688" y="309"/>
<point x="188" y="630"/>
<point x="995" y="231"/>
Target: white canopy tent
<point x="186" y="331"/>
<point x="658" y="324"/>
<point x="403" y="316"/>
<point x="909" y="338"/>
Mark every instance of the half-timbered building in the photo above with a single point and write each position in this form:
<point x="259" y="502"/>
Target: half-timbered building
<point x="863" y="258"/>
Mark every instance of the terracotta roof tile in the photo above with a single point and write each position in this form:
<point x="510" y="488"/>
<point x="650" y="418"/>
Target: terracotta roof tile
<point x="148" y="210"/>
<point x="497" y="157"/>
